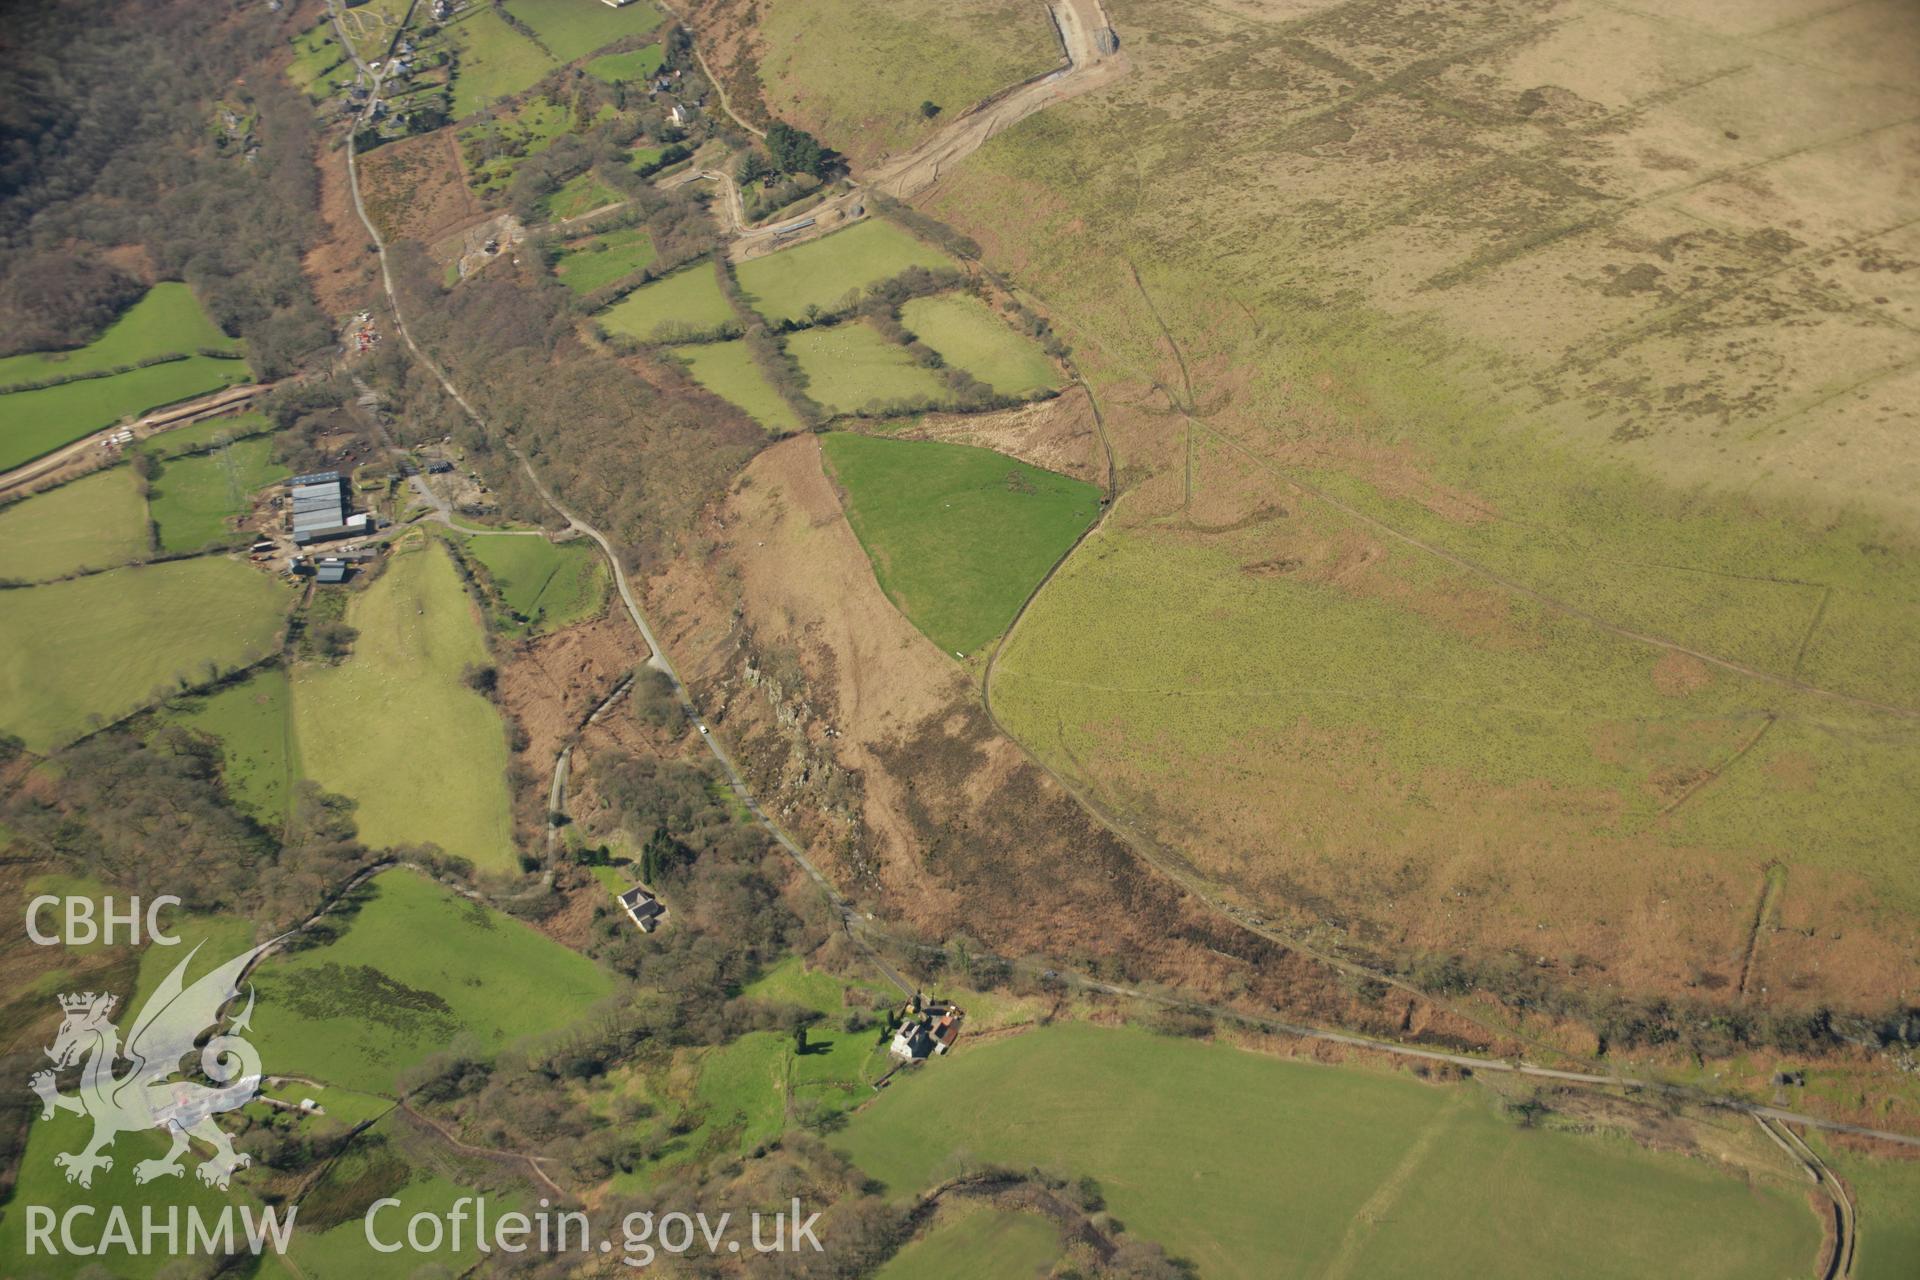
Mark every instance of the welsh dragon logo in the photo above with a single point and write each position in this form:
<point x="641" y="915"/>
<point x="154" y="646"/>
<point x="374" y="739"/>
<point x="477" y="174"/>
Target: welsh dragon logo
<point x="148" y="1094"/>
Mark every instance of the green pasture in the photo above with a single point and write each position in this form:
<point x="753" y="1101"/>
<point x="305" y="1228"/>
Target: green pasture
<point x="1251" y="1166"/>
<point x="33" y="423"/>
<point x="546" y="585"/>
<point x="254" y="722"/>
<point x="167" y="320"/>
<point x="395" y="728"/>
<point x="575" y="28"/>
<point x="975" y="1240"/>
<point x="850" y="367"/>
<point x="495" y="60"/>
<point x="112" y="643"/>
<point x="686" y="304"/>
<point x="958" y="536"/>
<point x="829" y="273"/>
<point x="595" y="263"/>
<point x="95" y="522"/>
<point x="728" y="370"/>
<point x="641" y="157"/>
<point x="582" y="194"/>
<point x="633" y="66"/>
<point x="968" y="335"/>
<point x="193" y="498"/>
<point x="416" y="969"/>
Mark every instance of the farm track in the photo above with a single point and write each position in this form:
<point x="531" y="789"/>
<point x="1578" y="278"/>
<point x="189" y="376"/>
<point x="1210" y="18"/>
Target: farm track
<point x="151" y="424"/>
<point x="852" y="922"/>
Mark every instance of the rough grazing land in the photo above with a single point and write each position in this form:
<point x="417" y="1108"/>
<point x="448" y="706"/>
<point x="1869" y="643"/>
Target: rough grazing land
<point x="394" y="727"/>
<point x="858" y="70"/>
<point x="1248" y="1166"/>
<point x="1513" y="407"/>
<point x="572" y="29"/>
<point x="253" y="722"/>
<point x="550" y="585"/>
<point x="596" y="263"/>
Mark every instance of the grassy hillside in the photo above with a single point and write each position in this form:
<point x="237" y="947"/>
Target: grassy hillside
<point x="253" y="721"/>
<point x="167" y="320"/>
<point x="574" y="30"/>
<point x="1194" y="1145"/>
<point x="549" y="585"/>
<point x="37" y="422"/>
<point x="114" y="642"/>
<point x="856" y="71"/>
<point x="958" y="536"/>
<point x="98" y="521"/>
<point x="417" y="966"/>
<point x="393" y="726"/>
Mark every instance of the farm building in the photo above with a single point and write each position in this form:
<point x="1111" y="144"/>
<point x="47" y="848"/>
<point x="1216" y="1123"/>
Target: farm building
<point x="321" y="510"/>
<point x="925" y="1028"/>
<point x="331" y="571"/>
<point x="643" y="908"/>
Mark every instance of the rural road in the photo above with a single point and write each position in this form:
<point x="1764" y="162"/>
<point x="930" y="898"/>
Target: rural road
<point x="852" y="921"/>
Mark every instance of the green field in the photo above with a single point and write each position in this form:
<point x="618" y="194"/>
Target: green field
<point x="495" y="60"/>
<point x="549" y="585"/>
<point x="94" y="645"/>
<point x="958" y="536"/>
<point x="1251" y="1166"/>
<point x="417" y="966"/>
<point x="968" y="335"/>
<point x="727" y="369"/>
<point x="96" y="522"/>
<point x="167" y="320"/>
<point x="974" y="1240"/>
<point x="1886" y="1201"/>
<point x="830" y="272"/>
<point x="595" y="263"/>
<point x="633" y="66"/>
<point x="193" y="498"/>
<point x="582" y="194"/>
<point x="575" y="28"/>
<point x="850" y="367"/>
<point x="253" y="721"/>
<point x="686" y="304"/>
<point x="422" y="755"/>
<point x="642" y="156"/>
<point x="37" y="422"/>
